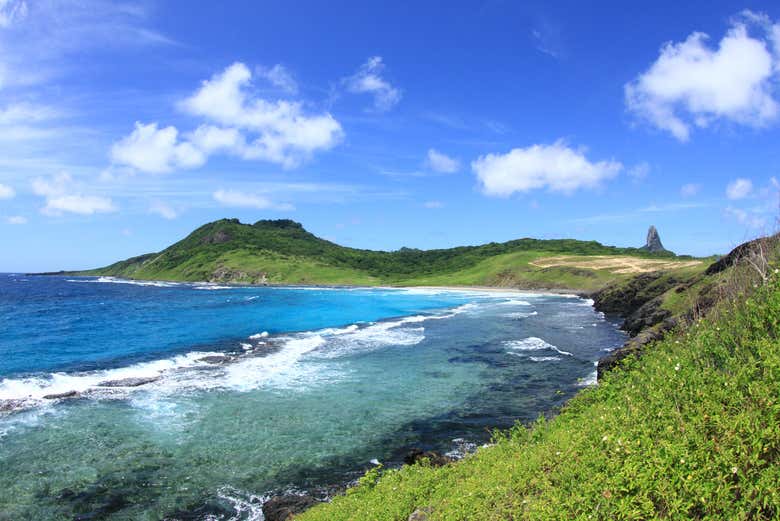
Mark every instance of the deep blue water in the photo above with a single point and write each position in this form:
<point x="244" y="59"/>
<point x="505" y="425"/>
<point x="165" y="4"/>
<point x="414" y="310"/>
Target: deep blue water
<point x="250" y="391"/>
<point x="66" y="323"/>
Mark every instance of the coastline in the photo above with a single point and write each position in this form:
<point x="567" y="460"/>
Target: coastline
<point x="339" y="487"/>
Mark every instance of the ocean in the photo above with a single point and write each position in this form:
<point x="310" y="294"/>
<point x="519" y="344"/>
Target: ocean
<point x="154" y="400"/>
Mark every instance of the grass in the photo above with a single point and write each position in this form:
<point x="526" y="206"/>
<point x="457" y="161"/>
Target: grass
<point x="689" y="431"/>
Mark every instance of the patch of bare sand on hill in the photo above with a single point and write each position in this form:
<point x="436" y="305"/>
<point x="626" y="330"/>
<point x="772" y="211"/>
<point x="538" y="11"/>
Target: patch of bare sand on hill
<point x="612" y="263"/>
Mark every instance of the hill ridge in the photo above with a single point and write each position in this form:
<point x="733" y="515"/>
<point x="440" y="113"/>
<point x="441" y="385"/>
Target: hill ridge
<point x="283" y="251"/>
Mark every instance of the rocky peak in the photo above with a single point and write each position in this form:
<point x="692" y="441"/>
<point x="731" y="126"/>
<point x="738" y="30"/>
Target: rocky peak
<point x="653" y="243"/>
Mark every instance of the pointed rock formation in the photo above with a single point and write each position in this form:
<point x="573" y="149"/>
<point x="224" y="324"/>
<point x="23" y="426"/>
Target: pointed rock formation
<point x="653" y="244"/>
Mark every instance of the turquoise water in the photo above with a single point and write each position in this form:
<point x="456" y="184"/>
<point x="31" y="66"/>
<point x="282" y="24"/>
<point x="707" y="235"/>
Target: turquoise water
<point x="260" y="390"/>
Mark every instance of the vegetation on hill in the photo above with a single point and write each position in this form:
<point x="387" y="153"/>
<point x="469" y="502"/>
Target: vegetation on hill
<point x="282" y="251"/>
<point x="689" y="430"/>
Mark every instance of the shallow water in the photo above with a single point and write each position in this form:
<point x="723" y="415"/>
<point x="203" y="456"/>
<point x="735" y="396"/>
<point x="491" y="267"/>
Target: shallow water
<point x="344" y="376"/>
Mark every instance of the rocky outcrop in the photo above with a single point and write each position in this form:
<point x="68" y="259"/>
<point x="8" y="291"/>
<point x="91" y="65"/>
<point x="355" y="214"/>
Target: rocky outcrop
<point x="639" y="301"/>
<point x="743" y="251"/>
<point x="129" y="382"/>
<point x="627" y="298"/>
<point x="653" y="243"/>
<point x="434" y="459"/>
<point x="218" y="237"/>
<point x="283" y="508"/>
<point x="58" y="396"/>
<point x="420" y="514"/>
<point x="634" y="346"/>
<point x="227" y="275"/>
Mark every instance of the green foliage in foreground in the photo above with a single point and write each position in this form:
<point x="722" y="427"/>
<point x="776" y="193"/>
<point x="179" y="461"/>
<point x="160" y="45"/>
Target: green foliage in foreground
<point x="282" y="251"/>
<point x="689" y="431"/>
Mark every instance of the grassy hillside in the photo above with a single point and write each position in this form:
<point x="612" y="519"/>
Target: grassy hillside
<point x="690" y="430"/>
<point x="282" y="251"/>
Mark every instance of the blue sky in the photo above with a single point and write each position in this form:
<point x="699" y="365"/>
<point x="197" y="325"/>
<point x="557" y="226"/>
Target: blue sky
<point x="123" y="126"/>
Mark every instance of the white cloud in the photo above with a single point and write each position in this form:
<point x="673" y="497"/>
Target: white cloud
<point x="247" y="200"/>
<point x="739" y="188"/>
<point x="279" y="77"/>
<point x="368" y="80"/>
<point x="639" y="171"/>
<point x="433" y="204"/>
<point x="38" y="38"/>
<point x="62" y="196"/>
<point x="16" y="219"/>
<point x="282" y="132"/>
<point x="442" y="163"/>
<point x="12" y="11"/>
<point x="747" y="218"/>
<point x="26" y="113"/>
<point x="210" y="139"/>
<point x="690" y="189"/>
<point x="693" y="84"/>
<point x="555" y="167"/>
<point x="79" y="204"/>
<point x="156" y="150"/>
<point x="6" y="192"/>
<point x="163" y="210"/>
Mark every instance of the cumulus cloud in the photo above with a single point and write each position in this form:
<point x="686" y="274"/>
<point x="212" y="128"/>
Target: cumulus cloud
<point x="237" y="123"/>
<point x="246" y="200"/>
<point x="368" y="80"/>
<point x="695" y="84"/>
<point x="6" y="192"/>
<point x="555" y="167"/>
<point x="163" y="209"/>
<point x="62" y="196"/>
<point x="156" y="150"/>
<point x="690" y="189"/>
<point x="282" y="132"/>
<point x="16" y="219"/>
<point x="739" y="188"/>
<point x="442" y="163"/>
<point x="279" y="77"/>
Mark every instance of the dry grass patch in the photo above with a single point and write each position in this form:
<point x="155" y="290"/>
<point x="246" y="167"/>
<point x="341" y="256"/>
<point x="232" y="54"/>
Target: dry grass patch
<point x="612" y="263"/>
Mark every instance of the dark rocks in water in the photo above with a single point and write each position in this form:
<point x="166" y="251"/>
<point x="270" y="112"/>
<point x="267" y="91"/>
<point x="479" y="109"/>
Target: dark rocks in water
<point x="635" y="346"/>
<point x="416" y="456"/>
<point x="283" y="508"/>
<point x="11" y="405"/>
<point x="57" y="396"/>
<point x="653" y="243"/>
<point x="215" y="359"/>
<point x="129" y="382"/>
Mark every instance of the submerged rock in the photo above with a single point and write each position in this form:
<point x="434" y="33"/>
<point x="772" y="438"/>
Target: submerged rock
<point x="57" y="396"/>
<point x="283" y="508"/>
<point x="215" y="359"/>
<point x="129" y="382"/>
<point x="11" y="405"/>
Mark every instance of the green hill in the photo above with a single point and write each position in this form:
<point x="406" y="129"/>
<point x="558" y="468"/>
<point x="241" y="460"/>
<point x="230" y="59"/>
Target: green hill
<point x="283" y="252"/>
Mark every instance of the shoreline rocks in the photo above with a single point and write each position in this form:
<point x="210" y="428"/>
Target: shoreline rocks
<point x="284" y="507"/>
